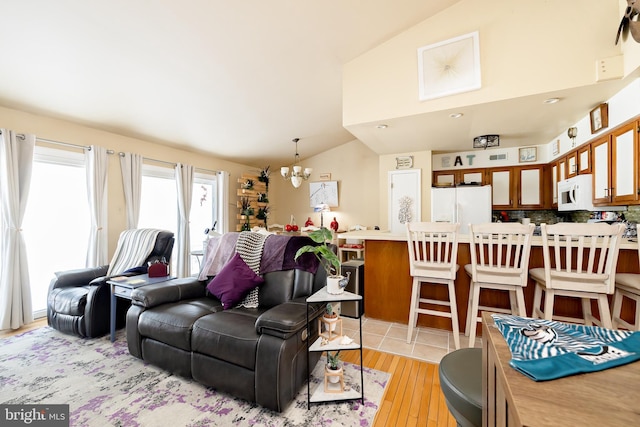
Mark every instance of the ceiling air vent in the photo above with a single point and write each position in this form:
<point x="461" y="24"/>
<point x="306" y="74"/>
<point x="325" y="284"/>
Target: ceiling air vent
<point x="502" y="156"/>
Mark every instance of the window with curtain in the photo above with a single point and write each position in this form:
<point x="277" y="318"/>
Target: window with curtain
<point x="159" y="206"/>
<point x="159" y="201"/>
<point x="203" y="213"/>
<point x="56" y="222"/>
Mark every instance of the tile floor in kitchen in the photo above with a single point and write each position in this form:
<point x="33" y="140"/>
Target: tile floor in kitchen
<point x="428" y="344"/>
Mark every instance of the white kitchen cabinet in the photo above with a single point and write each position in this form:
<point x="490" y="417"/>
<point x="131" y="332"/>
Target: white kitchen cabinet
<point x="530" y="182"/>
<point x="501" y="188"/>
<point x="615" y="166"/>
<point x="624" y="160"/>
<point x="518" y="187"/>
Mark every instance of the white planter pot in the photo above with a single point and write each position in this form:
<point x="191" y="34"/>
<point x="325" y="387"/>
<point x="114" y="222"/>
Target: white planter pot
<point x="331" y="322"/>
<point x="334" y="377"/>
<point x="333" y="285"/>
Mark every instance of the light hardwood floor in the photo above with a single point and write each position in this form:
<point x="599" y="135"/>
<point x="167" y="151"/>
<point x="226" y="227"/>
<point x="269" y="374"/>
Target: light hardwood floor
<point x="412" y="397"/>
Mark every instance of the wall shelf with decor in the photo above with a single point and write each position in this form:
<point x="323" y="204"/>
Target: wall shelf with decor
<point x="252" y="202"/>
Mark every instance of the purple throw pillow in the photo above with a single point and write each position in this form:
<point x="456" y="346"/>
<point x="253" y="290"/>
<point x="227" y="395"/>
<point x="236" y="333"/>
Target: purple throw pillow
<point x="234" y="282"/>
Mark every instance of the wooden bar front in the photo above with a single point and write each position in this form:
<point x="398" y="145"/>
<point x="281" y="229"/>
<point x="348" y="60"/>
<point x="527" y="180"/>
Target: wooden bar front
<point x="388" y="285"/>
<point x="604" y="398"/>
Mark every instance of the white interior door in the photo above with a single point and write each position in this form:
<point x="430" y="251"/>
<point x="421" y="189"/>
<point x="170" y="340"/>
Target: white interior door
<point x="404" y="199"/>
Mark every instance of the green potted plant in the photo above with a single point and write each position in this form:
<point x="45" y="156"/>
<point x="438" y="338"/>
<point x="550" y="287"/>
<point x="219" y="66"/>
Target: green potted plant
<point x="247" y="185"/>
<point x="333" y="366"/>
<point x="330" y="316"/>
<point x="245" y="206"/>
<point x="328" y="259"/>
<point x="264" y="175"/>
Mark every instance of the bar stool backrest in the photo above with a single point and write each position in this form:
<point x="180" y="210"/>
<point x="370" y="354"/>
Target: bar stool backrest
<point x="500" y="252"/>
<point x="581" y="256"/>
<point x="433" y="249"/>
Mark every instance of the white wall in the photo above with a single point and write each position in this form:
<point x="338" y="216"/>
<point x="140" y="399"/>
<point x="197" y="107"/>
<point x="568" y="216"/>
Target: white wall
<point x="526" y="47"/>
<point x="354" y="166"/>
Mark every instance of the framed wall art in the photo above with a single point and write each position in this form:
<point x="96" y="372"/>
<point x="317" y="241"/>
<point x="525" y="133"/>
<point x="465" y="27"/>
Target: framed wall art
<point x="450" y="66"/>
<point x="599" y="117"/>
<point x="325" y="192"/>
<point x="528" y="154"/>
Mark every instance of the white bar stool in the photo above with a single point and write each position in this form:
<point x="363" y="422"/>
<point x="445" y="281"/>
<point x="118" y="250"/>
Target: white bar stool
<point x="433" y="257"/>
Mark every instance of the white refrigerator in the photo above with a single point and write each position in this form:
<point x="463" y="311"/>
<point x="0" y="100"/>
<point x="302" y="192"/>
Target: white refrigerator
<point x="465" y="205"/>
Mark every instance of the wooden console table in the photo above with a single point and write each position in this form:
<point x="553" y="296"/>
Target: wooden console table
<point x="605" y="398"/>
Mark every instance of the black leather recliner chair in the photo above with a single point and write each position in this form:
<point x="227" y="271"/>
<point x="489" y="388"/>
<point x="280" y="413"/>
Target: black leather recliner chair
<point x="78" y="301"/>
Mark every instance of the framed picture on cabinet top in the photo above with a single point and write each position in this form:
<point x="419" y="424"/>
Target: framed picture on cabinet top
<point x="528" y="154"/>
<point x="599" y="117"/>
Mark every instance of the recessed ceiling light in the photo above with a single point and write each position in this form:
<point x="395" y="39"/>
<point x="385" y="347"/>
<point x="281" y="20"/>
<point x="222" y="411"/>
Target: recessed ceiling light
<point x="456" y="115"/>
<point x="382" y="126"/>
<point x="551" y="100"/>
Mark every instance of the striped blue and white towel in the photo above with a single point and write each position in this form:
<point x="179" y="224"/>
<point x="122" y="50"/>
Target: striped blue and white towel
<point x="547" y="349"/>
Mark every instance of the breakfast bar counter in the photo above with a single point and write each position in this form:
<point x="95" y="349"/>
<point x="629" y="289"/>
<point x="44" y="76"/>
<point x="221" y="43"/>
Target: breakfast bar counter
<point x="388" y="282"/>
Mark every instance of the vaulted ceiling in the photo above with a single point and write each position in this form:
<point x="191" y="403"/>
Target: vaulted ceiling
<point x="237" y="79"/>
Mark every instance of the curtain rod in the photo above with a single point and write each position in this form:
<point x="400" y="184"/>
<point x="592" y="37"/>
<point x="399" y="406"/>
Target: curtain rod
<point x="121" y="154"/>
<point x="65" y="144"/>
<point x="85" y="147"/>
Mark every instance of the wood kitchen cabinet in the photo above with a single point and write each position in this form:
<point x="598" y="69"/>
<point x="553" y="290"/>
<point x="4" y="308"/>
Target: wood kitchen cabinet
<point x="518" y="187"/>
<point x="615" y="166"/>
<point x="554" y="184"/>
<point x="457" y="177"/>
<point x="530" y="186"/>
<point x="584" y="159"/>
<point x="502" y="185"/>
<point x="572" y="163"/>
<point x="562" y="169"/>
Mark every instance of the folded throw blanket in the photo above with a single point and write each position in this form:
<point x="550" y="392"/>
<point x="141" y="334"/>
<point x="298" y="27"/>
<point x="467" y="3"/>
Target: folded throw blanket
<point x="134" y="247"/>
<point x="546" y="349"/>
<point x="219" y="251"/>
<point x="250" y="247"/>
<point x="280" y="251"/>
<point x="278" y="254"/>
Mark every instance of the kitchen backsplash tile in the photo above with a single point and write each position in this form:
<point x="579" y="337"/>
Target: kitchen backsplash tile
<point x="632" y="214"/>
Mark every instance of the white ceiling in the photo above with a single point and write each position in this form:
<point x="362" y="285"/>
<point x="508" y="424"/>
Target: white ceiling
<point x="238" y="79"/>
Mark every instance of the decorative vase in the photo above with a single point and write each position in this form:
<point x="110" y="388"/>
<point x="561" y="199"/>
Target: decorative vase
<point x="333" y="285"/>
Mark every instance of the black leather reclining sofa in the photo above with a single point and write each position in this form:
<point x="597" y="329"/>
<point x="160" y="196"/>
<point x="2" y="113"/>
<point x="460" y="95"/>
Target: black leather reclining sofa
<point x="257" y="354"/>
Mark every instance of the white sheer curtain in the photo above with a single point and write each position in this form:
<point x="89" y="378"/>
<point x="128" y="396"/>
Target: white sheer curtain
<point x="184" y="185"/>
<point x="223" y="202"/>
<point x="131" y="167"/>
<point x="97" y="163"/>
<point x="16" y="161"/>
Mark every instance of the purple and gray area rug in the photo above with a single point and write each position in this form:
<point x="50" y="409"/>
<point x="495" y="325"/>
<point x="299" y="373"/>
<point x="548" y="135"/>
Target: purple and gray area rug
<point x="106" y="386"/>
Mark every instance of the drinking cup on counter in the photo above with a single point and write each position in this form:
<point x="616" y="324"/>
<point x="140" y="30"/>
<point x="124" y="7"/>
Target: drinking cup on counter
<point x="526" y="221"/>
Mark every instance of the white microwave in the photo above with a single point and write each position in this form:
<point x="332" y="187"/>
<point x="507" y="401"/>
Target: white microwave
<point x="575" y="194"/>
